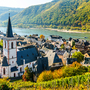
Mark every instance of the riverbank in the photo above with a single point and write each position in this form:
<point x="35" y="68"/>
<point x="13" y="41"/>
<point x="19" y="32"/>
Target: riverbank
<point x="68" y="31"/>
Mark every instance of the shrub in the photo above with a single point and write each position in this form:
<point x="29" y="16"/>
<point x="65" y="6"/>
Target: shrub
<point x="45" y="76"/>
<point x="74" y="69"/>
<point x="4" y="84"/>
<point x="27" y="74"/>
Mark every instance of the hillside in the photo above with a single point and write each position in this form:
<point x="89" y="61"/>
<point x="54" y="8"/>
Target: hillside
<point x="4" y="11"/>
<point x="73" y="13"/>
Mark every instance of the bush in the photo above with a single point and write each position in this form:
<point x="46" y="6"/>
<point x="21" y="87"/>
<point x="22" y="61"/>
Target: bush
<point x="27" y="74"/>
<point x="74" y="69"/>
<point x="45" y="76"/>
<point x="4" y="84"/>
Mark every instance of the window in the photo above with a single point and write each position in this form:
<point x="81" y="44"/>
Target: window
<point x="12" y="61"/>
<point x="14" y="74"/>
<point x="27" y="55"/>
<point x="4" y="71"/>
<point x="5" y="44"/>
<point x="11" y="44"/>
<point x="12" y="56"/>
<point x="21" y="56"/>
<point x="20" y="69"/>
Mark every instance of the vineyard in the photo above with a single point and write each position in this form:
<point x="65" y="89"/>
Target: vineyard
<point x="79" y="82"/>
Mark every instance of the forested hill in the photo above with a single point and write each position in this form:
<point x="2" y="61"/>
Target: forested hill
<point x="75" y="13"/>
<point x="4" y="11"/>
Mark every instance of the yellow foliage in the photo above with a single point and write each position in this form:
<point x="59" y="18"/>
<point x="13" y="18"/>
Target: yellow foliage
<point x="75" y="64"/>
<point x="45" y="76"/>
<point x="74" y="47"/>
<point x="42" y="36"/>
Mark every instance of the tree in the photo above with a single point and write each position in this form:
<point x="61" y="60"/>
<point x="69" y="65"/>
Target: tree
<point x="74" y="47"/>
<point x="28" y="74"/>
<point x="1" y="43"/>
<point x="62" y="46"/>
<point x="42" y="36"/>
<point x="79" y="56"/>
<point x="73" y="43"/>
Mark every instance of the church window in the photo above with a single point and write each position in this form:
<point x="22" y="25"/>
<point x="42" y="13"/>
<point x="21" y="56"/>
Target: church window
<point x="4" y="71"/>
<point x="11" y="44"/>
<point x="5" y="44"/>
<point x="20" y="69"/>
<point x="14" y="74"/>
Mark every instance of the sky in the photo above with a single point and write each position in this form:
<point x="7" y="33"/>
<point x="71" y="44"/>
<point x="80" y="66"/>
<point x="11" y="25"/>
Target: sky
<point x="22" y="3"/>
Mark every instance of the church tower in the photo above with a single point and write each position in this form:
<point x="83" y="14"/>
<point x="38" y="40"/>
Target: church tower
<point x="10" y="46"/>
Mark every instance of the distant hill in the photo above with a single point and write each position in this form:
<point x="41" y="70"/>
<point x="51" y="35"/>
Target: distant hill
<point x="73" y="13"/>
<point x="4" y="11"/>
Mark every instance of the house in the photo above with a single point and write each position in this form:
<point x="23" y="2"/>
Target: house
<point x="41" y="65"/>
<point x="54" y="62"/>
<point x="63" y="55"/>
<point x="86" y="62"/>
<point x="70" y="60"/>
<point x="87" y="55"/>
<point x="54" y="37"/>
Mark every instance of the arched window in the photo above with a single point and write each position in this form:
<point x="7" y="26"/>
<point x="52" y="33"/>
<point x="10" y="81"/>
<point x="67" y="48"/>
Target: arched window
<point x="5" y="44"/>
<point x="4" y="71"/>
<point x="20" y="69"/>
<point x="11" y="44"/>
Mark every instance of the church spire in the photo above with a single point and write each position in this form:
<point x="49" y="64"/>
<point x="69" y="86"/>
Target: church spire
<point x="9" y="32"/>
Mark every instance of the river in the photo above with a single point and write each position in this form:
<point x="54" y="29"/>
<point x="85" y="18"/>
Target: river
<point x="47" y="32"/>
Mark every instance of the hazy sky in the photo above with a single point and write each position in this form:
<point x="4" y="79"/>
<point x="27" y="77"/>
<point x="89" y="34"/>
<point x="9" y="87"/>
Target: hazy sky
<point x="21" y="3"/>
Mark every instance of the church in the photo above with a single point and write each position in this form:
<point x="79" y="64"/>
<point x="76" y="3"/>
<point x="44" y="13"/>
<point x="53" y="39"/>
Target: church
<point x="15" y="59"/>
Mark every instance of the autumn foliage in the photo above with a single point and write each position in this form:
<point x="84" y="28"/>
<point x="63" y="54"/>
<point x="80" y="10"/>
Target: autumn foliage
<point x="74" y="69"/>
<point x="27" y="74"/>
<point x="42" y="36"/>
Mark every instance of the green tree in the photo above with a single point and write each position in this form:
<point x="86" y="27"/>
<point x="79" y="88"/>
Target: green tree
<point x="73" y="43"/>
<point x="79" y="56"/>
<point x="28" y="74"/>
<point x="62" y="46"/>
<point x="1" y="43"/>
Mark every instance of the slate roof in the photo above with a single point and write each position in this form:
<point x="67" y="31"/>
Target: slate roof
<point x="4" y="61"/>
<point x="52" y="58"/>
<point x="55" y="36"/>
<point x="87" y="61"/>
<point x="28" y="55"/>
<point x="60" y="52"/>
<point x="14" y="69"/>
<point x="9" y="32"/>
<point x="42" y="64"/>
<point x="71" y="60"/>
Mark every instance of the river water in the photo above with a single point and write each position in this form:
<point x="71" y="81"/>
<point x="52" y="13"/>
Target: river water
<point x="47" y="32"/>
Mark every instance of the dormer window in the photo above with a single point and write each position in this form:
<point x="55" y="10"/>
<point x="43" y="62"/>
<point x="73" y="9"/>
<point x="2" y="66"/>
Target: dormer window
<point x="12" y="45"/>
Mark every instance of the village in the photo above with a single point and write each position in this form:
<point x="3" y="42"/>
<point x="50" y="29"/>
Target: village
<point x="38" y="53"/>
